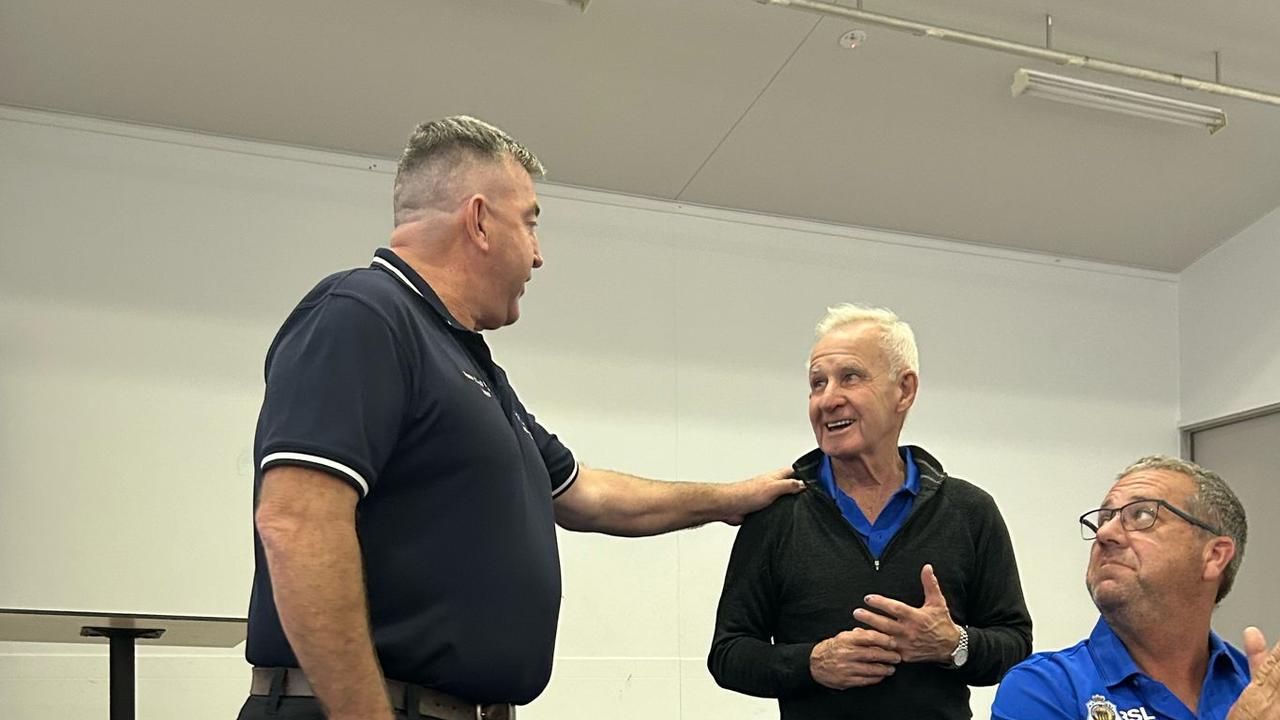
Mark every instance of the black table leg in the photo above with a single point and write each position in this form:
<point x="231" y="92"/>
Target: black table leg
<point x="123" y="687"/>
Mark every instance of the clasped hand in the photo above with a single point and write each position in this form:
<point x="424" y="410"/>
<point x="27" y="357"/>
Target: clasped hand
<point x="923" y="634"/>
<point x="895" y="633"/>
<point x="853" y="658"/>
<point x="920" y="634"/>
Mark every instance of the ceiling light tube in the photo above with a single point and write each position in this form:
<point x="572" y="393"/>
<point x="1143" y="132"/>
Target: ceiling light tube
<point x="1108" y="97"/>
<point x="988" y="42"/>
<point x="580" y="4"/>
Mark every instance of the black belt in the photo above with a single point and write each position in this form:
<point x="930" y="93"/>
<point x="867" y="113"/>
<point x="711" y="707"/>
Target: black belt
<point x="431" y="703"/>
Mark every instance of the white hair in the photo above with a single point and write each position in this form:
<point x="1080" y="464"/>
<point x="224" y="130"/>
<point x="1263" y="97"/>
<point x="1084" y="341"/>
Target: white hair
<point x="896" y="338"/>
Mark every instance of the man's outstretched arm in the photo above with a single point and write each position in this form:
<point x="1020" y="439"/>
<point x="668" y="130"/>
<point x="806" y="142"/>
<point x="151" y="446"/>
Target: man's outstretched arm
<point x="619" y="504"/>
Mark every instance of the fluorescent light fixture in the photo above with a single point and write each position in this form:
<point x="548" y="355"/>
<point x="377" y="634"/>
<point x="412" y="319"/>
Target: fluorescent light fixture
<point x="580" y="4"/>
<point x="1108" y="97"/>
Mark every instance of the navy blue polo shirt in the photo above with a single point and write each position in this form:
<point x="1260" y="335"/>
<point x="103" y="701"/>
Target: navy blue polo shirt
<point x="1099" y="673"/>
<point x="374" y="382"/>
<point x="878" y="534"/>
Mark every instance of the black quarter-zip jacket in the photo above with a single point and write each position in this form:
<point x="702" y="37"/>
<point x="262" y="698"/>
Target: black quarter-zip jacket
<point x="798" y="570"/>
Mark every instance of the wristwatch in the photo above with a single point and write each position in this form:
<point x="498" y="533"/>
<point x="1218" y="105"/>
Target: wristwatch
<point x="960" y="655"/>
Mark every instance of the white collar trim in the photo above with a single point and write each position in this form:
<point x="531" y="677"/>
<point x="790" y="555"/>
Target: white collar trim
<point x="396" y="271"/>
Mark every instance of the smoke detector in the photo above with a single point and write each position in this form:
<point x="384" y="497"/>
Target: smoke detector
<point x="853" y="39"/>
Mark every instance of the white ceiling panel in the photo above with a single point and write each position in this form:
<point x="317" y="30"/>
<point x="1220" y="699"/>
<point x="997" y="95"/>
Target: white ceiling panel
<point x="721" y="102"/>
<point x="923" y="136"/>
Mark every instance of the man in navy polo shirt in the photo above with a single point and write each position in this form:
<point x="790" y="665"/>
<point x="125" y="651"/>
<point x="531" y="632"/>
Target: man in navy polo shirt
<point x="889" y="587"/>
<point x="406" y="501"/>
<point x="1167" y="543"/>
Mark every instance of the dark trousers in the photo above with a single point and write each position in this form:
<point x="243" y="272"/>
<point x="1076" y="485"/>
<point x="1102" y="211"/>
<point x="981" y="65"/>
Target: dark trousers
<point x="261" y="707"/>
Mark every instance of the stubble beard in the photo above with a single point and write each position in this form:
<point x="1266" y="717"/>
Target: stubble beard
<point x="1124" y="605"/>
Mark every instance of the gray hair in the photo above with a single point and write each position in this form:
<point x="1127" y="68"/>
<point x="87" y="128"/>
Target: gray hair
<point x="897" y="340"/>
<point x="1213" y="502"/>
<point x="438" y="149"/>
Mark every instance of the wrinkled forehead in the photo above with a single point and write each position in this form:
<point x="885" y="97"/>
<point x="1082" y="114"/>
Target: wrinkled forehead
<point x="858" y="341"/>
<point x="1169" y="485"/>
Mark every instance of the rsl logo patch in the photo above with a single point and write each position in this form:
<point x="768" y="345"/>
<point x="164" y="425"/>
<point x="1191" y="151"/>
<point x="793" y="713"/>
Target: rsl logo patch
<point x="1101" y="708"/>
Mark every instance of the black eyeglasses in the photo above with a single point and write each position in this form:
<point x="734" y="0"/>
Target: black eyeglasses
<point x="1137" y="515"/>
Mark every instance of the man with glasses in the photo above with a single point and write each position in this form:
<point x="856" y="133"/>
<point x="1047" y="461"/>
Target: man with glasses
<point x="1167" y="544"/>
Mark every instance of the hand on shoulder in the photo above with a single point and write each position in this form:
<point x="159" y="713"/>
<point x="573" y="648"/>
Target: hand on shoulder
<point x="757" y="493"/>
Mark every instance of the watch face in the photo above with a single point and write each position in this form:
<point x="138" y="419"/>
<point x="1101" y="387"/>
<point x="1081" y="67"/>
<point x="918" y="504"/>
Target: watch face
<point x="961" y="653"/>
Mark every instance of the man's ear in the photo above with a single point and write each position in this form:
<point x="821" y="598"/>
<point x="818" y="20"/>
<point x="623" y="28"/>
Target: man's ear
<point x="1217" y="554"/>
<point x="475" y="215"/>
<point x="908" y="384"/>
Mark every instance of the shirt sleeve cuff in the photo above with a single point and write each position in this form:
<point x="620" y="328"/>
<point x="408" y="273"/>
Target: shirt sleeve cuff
<point x="566" y="483"/>
<point x="333" y="467"/>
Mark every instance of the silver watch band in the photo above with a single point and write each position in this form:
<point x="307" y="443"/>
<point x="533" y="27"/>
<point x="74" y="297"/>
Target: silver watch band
<point x="960" y="655"/>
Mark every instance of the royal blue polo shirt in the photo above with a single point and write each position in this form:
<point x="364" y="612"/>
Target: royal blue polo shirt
<point x="373" y="381"/>
<point x="1098" y="675"/>
<point x="878" y="534"/>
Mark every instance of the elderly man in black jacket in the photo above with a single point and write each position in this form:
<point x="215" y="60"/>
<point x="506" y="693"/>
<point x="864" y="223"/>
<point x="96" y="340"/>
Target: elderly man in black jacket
<point x="889" y="587"/>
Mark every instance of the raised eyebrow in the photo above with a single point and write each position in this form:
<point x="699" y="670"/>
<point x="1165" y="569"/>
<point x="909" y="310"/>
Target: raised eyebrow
<point x="1130" y="501"/>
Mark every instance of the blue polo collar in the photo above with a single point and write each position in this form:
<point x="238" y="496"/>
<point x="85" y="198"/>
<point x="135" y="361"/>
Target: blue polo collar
<point x="1116" y="665"/>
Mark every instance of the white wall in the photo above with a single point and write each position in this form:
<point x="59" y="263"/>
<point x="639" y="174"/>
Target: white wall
<point x="143" y="273"/>
<point x="1229" y="324"/>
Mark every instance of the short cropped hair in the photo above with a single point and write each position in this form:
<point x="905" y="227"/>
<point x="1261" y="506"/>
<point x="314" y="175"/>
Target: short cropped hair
<point x="896" y="338"/>
<point x="1214" y="502"/>
<point x="437" y="149"/>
